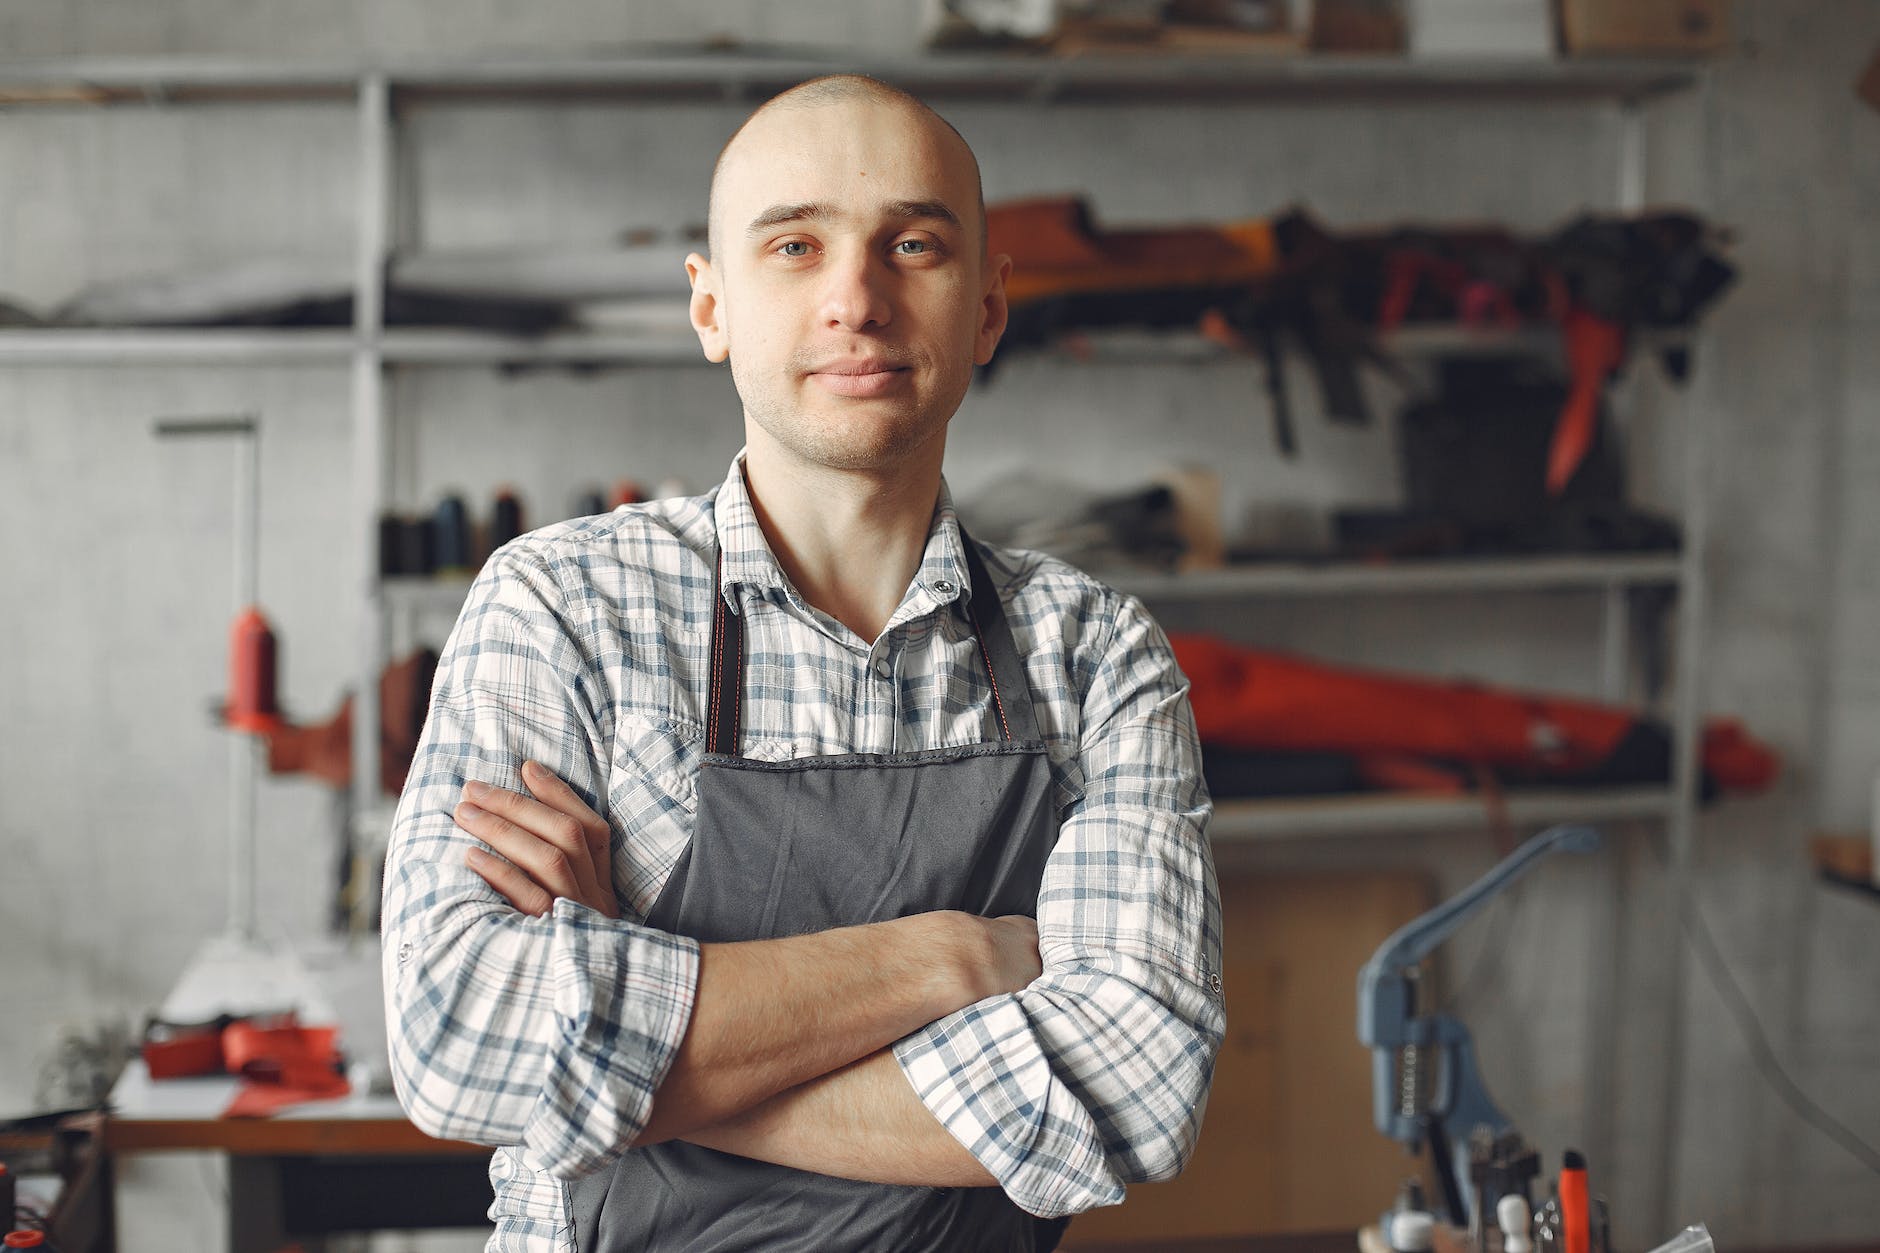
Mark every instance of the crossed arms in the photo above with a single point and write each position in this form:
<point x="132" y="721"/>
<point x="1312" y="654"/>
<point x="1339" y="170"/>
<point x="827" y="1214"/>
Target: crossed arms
<point x="785" y="1058"/>
<point x="939" y="1049"/>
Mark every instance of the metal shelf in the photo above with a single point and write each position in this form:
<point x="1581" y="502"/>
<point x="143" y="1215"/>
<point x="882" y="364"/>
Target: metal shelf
<point x="613" y="348"/>
<point x="424" y="593"/>
<point x="744" y="74"/>
<point x="1407" y="577"/>
<point x="113" y="346"/>
<point x="1327" y="817"/>
<point x="445" y="593"/>
<point x="452" y="347"/>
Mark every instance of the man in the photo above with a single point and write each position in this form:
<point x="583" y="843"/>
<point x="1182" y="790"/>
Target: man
<point x="711" y="894"/>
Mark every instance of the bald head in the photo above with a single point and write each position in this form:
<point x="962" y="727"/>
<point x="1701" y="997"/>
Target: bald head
<point x="836" y="91"/>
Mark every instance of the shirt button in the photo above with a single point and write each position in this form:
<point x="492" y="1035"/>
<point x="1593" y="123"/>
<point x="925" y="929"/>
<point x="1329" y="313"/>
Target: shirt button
<point x="404" y="952"/>
<point x="942" y="587"/>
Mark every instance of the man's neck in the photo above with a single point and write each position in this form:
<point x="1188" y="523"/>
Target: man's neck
<point x="851" y="541"/>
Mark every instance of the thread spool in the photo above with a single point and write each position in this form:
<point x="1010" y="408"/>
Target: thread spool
<point x="450" y="537"/>
<point x="252" y="657"/>
<point x="392" y="545"/>
<point x="505" y="519"/>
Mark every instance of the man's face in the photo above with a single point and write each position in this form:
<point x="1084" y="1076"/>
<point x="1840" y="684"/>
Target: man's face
<point x="848" y="285"/>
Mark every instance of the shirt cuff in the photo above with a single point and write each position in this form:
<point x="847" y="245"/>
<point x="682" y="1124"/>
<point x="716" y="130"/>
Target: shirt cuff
<point x="982" y="1073"/>
<point x="623" y="996"/>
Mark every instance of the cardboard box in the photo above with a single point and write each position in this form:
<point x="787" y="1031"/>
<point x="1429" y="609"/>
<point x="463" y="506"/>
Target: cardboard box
<point x="1654" y="27"/>
<point x="1515" y="29"/>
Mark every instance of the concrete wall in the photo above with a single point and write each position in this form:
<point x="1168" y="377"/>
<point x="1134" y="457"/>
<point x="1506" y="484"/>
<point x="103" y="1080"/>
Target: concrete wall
<point x="112" y="781"/>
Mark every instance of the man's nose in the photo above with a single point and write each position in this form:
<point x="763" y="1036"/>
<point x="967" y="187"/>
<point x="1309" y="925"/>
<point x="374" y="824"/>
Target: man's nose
<point x="856" y="293"/>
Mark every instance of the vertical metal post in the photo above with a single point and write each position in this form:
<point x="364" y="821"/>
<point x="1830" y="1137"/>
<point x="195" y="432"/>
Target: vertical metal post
<point x="368" y="427"/>
<point x="1687" y="718"/>
<point x="1606" y="919"/>
<point x="244" y="749"/>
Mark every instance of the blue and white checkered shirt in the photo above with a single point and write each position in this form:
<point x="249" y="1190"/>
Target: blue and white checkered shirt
<point x="584" y="646"/>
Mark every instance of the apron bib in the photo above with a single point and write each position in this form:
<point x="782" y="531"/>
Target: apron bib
<point x="785" y="848"/>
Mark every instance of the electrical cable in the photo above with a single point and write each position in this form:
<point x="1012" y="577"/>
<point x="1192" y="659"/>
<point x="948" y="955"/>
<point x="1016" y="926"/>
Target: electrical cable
<point x="1757" y="1041"/>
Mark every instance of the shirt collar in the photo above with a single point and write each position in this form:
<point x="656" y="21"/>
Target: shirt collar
<point x="940" y="579"/>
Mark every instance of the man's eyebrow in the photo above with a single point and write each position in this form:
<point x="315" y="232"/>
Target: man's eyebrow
<point x="778" y="214"/>
<point x="932" y="210"/>
<point x="907" y="210"/>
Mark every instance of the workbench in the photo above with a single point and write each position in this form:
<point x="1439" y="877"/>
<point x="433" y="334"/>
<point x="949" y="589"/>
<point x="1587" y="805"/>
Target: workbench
<point x="351" y="1164"/>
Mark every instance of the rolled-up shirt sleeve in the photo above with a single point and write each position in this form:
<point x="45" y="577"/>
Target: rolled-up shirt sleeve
<point x="549" y="1034"/>
<point x="1097" y="1075"/>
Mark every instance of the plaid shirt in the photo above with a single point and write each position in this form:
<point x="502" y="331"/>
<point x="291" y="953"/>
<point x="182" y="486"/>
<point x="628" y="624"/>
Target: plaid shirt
<point x="584" y="645"/>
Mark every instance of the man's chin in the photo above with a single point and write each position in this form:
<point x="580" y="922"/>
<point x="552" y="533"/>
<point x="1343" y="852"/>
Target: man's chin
<point x="857" y="441"/>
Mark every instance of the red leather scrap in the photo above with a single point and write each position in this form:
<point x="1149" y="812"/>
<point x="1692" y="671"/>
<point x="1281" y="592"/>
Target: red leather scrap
<point x="282" y="1066"/>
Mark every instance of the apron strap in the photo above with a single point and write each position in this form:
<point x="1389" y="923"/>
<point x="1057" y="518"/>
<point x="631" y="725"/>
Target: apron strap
<point x="1011" y="694"/>
<point x="1007" y="672"/>
<point x="727" y="684"/>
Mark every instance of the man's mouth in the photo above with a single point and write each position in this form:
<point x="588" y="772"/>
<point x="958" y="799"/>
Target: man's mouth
<point x="861" y="378"/>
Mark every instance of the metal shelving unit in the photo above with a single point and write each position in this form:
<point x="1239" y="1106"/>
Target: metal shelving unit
<point x="380" y="92"/>
<point x="743" y="74"/>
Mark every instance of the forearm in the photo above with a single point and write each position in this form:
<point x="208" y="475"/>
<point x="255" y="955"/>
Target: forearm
<point x="860" y="1122"/>
<point x="769" y="1015"/>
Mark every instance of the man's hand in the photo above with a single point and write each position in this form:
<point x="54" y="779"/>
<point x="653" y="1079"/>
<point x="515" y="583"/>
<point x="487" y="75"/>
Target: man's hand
<point x="1011" y="961"/>
<point x="554" y="844"/>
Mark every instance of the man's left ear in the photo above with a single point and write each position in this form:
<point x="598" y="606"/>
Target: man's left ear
<point x="992" y="310"/>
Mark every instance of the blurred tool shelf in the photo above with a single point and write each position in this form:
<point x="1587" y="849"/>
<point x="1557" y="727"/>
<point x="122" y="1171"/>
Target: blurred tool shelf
<point x="264" y="346"/>
<point x="1378" y="813"/>
<point x="741" y="75"/>
<point x="444" y="594"/>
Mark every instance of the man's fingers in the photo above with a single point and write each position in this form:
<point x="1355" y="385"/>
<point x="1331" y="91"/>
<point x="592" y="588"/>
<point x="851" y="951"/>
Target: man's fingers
<point x="516" y="887"/>
<point x="556" y="826"/>
<point x="551" y="790"/>
<point x="549" y="864"/>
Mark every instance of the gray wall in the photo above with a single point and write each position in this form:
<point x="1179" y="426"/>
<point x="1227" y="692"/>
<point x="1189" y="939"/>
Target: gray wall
<point x="112" y="781"/>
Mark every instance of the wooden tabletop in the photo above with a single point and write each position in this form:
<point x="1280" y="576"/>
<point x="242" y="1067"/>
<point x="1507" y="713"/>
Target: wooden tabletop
<point x="157" y="1115"/>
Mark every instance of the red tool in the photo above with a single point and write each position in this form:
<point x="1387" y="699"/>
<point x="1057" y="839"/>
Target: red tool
<point x="1576" y="1211"/>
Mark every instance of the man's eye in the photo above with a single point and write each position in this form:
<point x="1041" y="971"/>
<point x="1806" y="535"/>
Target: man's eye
<point x="795" y="248"/>
<point x="913" y="247"/>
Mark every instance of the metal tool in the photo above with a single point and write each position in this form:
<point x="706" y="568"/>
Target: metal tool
<point x="1426" y="1087"/>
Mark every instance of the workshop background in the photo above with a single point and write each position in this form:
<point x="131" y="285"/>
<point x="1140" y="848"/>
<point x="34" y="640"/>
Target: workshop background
<point x="118" y="593"/>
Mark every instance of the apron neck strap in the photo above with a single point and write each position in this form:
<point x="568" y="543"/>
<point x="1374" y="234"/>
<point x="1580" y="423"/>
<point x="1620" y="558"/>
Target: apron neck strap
<point x="1011" y="694"/>
<point x="727" y="684"/>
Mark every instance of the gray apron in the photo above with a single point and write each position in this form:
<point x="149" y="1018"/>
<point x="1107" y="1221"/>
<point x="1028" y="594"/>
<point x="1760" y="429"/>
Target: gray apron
<point x="785" y="848"/>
